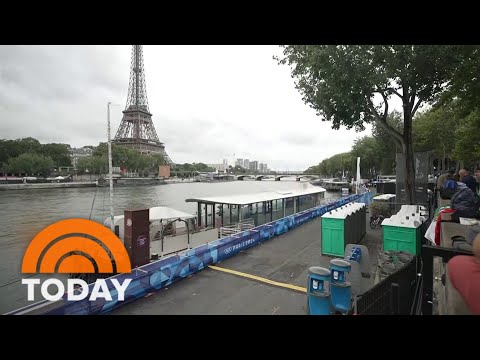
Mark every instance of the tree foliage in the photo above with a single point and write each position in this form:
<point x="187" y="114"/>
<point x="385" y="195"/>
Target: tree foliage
<point x="377" y="154"/>
<point x="387" y="148"/>
<point x="31" y="164"/>
<point x="351" y="85"/>
<point x="60" y="153"/>
<point x="467" y="139"/>
<point x="465" y="85"/>
<point x="186" y="169"/>
<point x="366" y="148"/>
<point x="123" y="157"/>
<point x="434" y="130"/>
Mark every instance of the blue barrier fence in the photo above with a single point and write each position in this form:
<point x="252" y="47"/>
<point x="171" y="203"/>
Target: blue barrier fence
<point x="161" y="273"/>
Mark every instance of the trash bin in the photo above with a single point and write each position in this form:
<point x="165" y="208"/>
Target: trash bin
<point x="318" y="295"/>
<point x="340" y="288"/>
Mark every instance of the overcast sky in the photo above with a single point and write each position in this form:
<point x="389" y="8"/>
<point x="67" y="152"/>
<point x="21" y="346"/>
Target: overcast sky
<point x="208" y="102"/>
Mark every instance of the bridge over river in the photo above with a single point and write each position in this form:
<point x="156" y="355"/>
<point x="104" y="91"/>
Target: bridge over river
<point x="277" y="177"/>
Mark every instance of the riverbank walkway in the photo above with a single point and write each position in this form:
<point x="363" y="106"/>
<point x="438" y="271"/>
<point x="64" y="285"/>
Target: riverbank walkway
<point x="268" y="279"/>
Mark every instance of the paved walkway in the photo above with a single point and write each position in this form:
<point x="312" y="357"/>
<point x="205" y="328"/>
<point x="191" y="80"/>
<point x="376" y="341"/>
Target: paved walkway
<point x="284" y="259"/>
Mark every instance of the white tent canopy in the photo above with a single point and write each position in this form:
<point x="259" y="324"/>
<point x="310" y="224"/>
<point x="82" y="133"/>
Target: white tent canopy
<point x="156" y="213"/>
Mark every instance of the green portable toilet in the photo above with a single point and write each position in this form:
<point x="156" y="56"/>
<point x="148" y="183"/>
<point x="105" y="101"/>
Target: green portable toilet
<point x="349" y="224"/>
<point x="341" y="227"/>
<point x="401" y="232"/>
<point x="333" y="232"/>
<point x="359" y="213"/>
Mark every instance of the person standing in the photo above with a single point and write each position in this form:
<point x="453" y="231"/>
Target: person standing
<point x="468" y="180"/>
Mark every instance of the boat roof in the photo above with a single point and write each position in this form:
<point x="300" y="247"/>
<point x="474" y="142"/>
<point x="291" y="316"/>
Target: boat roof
<point x="163" y="212"/>
<point x="156" y="213"/>
<point x="336" y="180"/>
<point x="245" y="199"/>
<point x="384" y="197"/>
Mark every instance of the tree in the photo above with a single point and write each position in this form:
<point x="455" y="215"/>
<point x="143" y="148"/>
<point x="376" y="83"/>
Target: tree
<point x="323" y="168"/>
<point x="98" y="165"/>
<point x="435" y="130"/>
<point x="467" y="144"/>
<point x="352" y="85"/>
<point x="13" y="148"/>
<point x="84" y="164"/>
<point x="143" y="164"/>
<point x="313" y="170"/>
<point x="386" y="147"/>
<point x="366" y="148"/>
<point x="42" y="164"/>
<point x="337" y="165"/>
<point x="203" y="167"/>
<point x="60" y="153"/>
<point x="465" y="85"/>
<point x="28" y="145"/>
<point x="31" y="164"/>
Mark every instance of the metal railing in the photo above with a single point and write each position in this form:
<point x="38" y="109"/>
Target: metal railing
<point x="236" y="228"/>
<point x="393" y="295"/>
<point x="428" y="254"/>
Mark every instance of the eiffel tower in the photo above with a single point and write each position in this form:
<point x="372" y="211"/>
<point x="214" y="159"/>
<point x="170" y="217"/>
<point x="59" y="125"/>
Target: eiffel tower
<point x="136" y="130"/>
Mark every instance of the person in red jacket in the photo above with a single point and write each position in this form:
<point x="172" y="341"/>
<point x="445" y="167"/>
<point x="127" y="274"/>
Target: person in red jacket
<point x="464" y="274"/>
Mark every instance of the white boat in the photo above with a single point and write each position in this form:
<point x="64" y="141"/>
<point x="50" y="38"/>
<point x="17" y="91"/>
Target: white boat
<point x="218" y="216"/>
<point x="335" y="184"/>
<point x="260" y="207"/>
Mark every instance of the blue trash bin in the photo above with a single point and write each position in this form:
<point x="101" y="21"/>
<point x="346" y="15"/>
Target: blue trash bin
<point x="340" y="288"/>
<point x="318" y="296"/>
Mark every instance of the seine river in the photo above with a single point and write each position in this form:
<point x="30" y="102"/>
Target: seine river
<point x="23" y="213"/>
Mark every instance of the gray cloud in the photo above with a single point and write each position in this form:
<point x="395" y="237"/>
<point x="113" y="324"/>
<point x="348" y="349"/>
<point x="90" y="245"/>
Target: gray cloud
<point x="208" y="102"/>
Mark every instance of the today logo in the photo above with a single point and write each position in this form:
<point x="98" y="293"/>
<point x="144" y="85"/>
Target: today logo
<point x="76" y="246"/>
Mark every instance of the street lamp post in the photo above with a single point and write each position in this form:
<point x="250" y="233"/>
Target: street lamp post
<point x="112" y="225"/>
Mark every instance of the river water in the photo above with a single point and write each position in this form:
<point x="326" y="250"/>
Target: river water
<point x="24" y="213"/>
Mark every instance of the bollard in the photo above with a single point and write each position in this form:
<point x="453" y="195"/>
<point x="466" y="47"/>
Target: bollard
<point x="340" y="288"/>
<point x="318" y="296"/>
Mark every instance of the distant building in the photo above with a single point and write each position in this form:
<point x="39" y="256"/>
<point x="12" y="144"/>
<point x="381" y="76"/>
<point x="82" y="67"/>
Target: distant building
<point x="239" y="162"/>
<point x="262" y="167"/>
<point x="164" y="171"/>
<point x="246" y="164"/>
<point x="78" y="153"/>
<point x="225" y="163"/>
<point x="253" y="165"/>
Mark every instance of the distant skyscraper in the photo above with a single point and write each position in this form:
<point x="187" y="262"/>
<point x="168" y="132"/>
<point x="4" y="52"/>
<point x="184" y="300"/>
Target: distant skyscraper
<point x="239" y="162"/>
<point x="246" y="164"/>
<point x="254" y="165"/>
<point x="225" y="163"/>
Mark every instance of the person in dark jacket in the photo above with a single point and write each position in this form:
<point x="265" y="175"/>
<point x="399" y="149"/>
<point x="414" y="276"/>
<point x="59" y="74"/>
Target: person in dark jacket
<point x="468" y="180"/>
<point x="465" y="202"/>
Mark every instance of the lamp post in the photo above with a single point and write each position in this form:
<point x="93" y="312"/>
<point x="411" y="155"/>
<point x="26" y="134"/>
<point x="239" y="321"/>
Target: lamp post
<point x="112" y="225"/>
